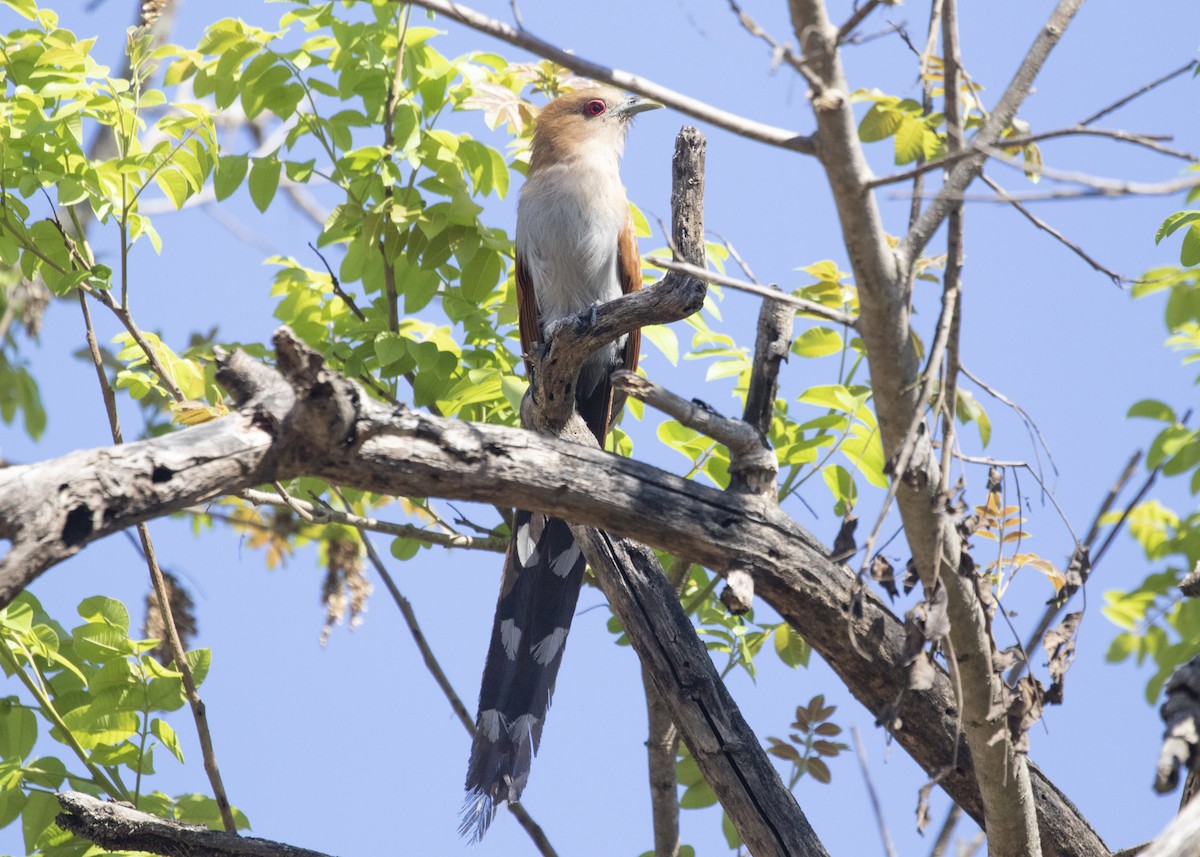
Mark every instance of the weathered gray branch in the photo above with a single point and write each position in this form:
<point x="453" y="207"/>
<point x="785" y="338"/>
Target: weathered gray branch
<point x="120" y="827"/>
<point x="729" y="756"/>
<point x="303" y="420"/>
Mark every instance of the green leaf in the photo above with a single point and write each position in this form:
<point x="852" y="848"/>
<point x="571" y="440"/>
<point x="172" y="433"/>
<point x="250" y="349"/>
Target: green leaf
<point x="173" y="185"/>
<point x="480" y="275"/>
<point x="264" y="181"/>
<point x="732" y="838"/>
<point x="790" y="646"/>
<point x="109" y="611"/>
<point x="18" y="730"/>
<point x="698" y="796"/>
<point x="1176" y="221"/>
<point x="1152" y="409"/>
<point x="817" y="342"/>
<point x="833" y="396"/>
<point x="968" y="409"/>
<point x="231" y="171"/>
<point x="665" y="340"/>
<point x="163" y="732"/>
<point x="41" y="808"/>
<point x="99" y="642"/>
<point x="841" y="485"/>
<point x="199" y="660"/>
<point x="910" y="140"/>
<point x="1189" y="253"/>
<point x="879" y="123"/>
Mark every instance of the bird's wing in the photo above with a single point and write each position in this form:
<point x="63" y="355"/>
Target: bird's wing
<point x="527" y="307"/>
<point x="629" y="269"/>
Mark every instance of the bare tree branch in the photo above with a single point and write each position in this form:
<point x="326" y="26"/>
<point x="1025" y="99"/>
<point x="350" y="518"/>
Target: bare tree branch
<point x="860" y="13"/>
<point x="318" y="424"/>
<point x="1121" y="102"/>
<point x="1144" y="140"/>
<point x="769" y="292"/>
<point x="685" y="104"/>
<point x="324" y="515"/>
<point x="120" y="827"/>
<point x="1000" y="117"/>
<point x="1117" y="279"/>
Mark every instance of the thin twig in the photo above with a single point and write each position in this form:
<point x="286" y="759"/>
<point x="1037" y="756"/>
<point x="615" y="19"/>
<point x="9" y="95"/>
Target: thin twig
<point x="779" y="50"/>
<point x="998" y="120"/>
<point x="324" y="515"/>
<point x="1031" y="426"/>
<point x="994" y="462"/>
<point x="687" y="105"/>
<point x="810" y="307"/>
<point x="1117" y="279"/>
<point x="855" y="19"/>
<point x="876" y="807"/>
<point x="174" y="642"/>
<point x="394" y="91"/>
<point x="1145" y="140"/>
<point x="1121" y="102"/>
<point x="532" y="828"/>
<point x="337" y="285"/>
<point x="946" y="834"/>
<point x="1054" y="608"/>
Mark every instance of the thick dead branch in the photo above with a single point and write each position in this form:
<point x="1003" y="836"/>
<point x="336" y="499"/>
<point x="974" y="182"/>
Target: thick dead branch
<point x="120" y="827"/>
<point x="725" y="748"/>
<point x="662" y="747"/>
<point x="685" y="104"/>
<point x="277" y="435"/>
<point x="1181" y="714"/>
<point x="772" y="345"/>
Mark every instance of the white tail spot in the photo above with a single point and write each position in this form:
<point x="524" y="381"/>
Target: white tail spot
<point x="489" y="724"/>
<point x="510" y="638"/>
<point x="527" y="551"/>
<point x="565" y="561"/>
<point x="521" y="729"/>
<point x="549" y="646"/>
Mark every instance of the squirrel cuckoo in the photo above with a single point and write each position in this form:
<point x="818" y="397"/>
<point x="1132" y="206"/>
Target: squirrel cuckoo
<point x="575" y="248"/>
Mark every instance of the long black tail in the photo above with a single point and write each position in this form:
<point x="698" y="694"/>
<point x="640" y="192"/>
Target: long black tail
<point x="543" y="572"/>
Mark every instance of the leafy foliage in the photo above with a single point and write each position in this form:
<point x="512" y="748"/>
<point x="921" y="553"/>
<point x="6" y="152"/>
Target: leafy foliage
<point x="1154" y="622"/>
<point x="97" y="693"/>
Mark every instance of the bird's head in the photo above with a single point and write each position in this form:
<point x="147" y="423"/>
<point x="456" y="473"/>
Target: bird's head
<point x="589" y="122"/>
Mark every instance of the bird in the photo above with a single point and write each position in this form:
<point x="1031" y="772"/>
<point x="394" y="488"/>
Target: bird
<point x="575" y="248"/>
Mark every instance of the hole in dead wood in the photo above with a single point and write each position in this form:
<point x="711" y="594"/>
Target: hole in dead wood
<point x="161" y="474"/>
<point x="78" y="526"/>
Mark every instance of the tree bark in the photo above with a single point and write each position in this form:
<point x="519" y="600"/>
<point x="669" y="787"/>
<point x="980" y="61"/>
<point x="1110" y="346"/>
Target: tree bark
<point x="304" y="420"/>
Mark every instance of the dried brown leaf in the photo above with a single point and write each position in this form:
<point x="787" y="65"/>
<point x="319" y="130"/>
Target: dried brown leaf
<point x="884" y="574"/>
<point x="844" y="544"/>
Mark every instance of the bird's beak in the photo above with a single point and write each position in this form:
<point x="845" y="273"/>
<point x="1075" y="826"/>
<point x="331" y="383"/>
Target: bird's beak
<point x="635" y="104"/>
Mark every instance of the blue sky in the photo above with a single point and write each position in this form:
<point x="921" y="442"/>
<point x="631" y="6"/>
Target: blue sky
<point x="351" y="749"/>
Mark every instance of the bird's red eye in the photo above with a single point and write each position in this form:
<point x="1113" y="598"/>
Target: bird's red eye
<point x="595" y="107"/>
